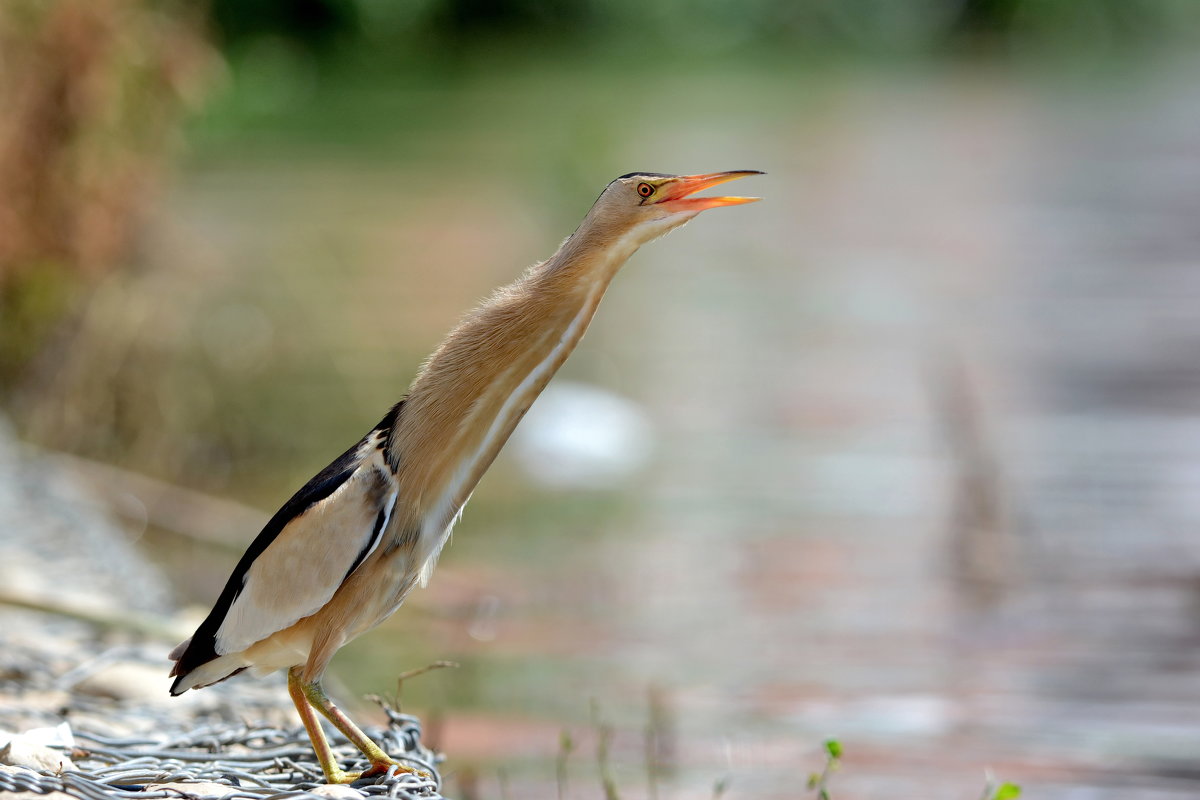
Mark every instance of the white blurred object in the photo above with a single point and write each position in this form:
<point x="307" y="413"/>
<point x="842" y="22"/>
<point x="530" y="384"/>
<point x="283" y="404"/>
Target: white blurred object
<point x="896" y="714"/>
<point x="577" y="435"/>
<point x="40" y="749"/>
<point x="483" y="626"/>
<point x="58" y="736"/>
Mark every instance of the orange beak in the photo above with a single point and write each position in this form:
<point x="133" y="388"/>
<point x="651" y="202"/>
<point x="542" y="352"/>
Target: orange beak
<point x="676" y="193"/>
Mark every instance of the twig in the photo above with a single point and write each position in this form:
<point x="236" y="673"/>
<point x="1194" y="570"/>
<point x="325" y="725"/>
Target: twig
<point x="566" y="745"/>
<point x="819" y="781"/>
<point x="604" y="735"/>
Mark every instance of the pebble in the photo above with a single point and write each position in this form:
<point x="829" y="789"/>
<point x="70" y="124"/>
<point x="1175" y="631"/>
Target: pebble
<point x="21" y="752"/>
<point x="130" y="682"/>
<point x="338" y="791"/>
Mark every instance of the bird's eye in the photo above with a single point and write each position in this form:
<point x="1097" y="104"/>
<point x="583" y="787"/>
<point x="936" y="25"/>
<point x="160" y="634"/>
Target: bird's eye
<point x="645" y="189"/>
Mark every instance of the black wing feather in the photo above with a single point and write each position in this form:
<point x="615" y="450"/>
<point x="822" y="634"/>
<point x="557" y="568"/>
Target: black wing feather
<point x="202" y="647"/>
<point x="380" y="520"/>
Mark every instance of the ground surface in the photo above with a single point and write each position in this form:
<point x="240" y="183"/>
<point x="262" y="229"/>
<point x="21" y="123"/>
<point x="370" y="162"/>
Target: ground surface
<point x="96" y="688"/>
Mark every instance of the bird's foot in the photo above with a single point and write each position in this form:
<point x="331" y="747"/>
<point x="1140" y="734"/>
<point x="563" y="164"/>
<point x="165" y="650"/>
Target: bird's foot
<point x="376" y="769"/>
<point x="341" y="776"/>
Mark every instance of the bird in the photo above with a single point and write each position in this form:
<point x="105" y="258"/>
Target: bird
<point x="342" y="554"/>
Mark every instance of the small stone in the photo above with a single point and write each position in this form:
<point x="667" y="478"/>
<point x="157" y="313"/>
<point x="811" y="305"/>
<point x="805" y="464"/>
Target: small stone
<point x="196" y="789"/>
<point x="128" y="681"/>
<point x="20" y="752"/>
<point x="338" y="791"/>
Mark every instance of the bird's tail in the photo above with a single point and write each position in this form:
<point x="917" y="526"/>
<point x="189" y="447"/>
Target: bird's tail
<point x="206" y="674"/>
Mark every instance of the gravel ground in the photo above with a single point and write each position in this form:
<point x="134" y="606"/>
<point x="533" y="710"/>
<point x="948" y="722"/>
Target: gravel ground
<point x="56" y="540"/>
<point x="97" y="694"/>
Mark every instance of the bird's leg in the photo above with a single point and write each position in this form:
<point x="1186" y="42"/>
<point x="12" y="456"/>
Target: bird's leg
<point x="312" y="724"/>
<point x="316" y="697"/>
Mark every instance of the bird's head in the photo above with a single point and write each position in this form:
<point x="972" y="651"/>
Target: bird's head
<point x="642" y="206"/>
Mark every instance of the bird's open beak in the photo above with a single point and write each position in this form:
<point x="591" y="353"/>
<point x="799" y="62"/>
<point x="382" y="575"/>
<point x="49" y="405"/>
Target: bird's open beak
<point x="677" y="192"/>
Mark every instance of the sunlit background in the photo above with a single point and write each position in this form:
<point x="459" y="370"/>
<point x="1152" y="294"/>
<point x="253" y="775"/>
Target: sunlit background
<point x="907" y="454"/>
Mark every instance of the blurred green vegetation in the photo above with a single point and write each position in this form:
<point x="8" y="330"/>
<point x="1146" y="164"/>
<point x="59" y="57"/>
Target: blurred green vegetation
<point x="689" y="27"/>
<point x="100" y="94"/>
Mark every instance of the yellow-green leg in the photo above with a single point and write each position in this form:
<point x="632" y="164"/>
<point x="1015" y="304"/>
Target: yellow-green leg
<point x="308" y="696"/>
<point x="333" y="773"/>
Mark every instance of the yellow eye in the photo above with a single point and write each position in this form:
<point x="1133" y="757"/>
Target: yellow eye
<point x="645" y="189"/>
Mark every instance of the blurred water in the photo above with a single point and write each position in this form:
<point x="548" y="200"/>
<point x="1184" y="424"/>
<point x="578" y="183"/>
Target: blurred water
<point x="927" y="433"/>
<point x="933" y="486"/>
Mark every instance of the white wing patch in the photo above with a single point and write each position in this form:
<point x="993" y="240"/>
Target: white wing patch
<point x="309" y="560"/>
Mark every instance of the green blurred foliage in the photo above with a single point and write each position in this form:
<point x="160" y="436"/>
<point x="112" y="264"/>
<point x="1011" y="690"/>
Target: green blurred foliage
<point x="870" y="27"/>
<point x="317" y="24"/>
<point x="1007" y="791"/>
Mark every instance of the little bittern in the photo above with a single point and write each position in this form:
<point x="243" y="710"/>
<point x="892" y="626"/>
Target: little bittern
<point x="345" y="550"/>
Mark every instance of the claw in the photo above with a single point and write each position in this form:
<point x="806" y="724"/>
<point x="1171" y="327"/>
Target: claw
<point x="379" y="768"/>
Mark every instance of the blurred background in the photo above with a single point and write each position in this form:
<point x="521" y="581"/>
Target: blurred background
<point x="907" y="454"/>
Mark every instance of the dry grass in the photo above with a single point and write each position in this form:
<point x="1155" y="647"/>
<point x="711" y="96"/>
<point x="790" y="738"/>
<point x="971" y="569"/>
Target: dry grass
<point x="93" y="92"/>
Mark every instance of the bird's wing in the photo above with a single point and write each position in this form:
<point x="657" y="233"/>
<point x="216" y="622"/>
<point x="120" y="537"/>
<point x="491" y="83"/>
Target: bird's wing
<point x="313" y="553"/>
<point x="303" y="554"/>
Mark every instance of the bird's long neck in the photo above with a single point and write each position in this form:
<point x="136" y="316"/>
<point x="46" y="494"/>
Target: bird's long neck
<point x="474" y="389"/>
